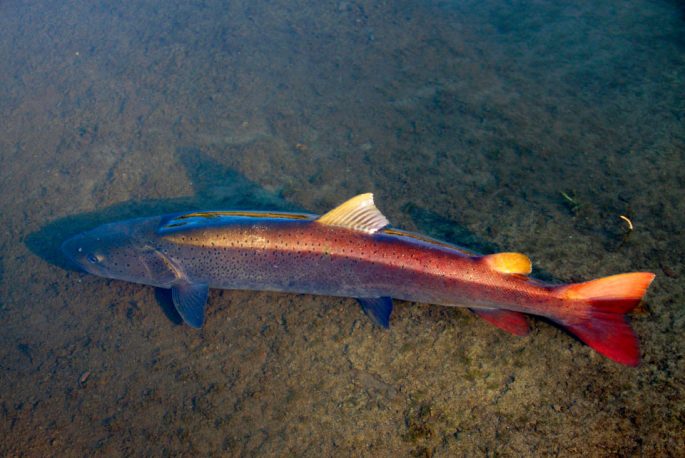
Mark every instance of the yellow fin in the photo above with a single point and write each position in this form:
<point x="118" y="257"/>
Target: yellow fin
<point x="358" y="213"/>
<point x="509" y="263"/>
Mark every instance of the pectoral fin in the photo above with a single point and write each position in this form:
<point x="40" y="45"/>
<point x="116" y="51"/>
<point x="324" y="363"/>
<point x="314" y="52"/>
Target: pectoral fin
<point x="378" y="309"/>
<point x="512" y="322"/>
<point x="190" y="300"/>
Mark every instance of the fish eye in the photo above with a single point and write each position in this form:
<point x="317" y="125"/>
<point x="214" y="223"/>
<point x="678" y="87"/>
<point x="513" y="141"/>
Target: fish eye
<point x="92" y="258"/>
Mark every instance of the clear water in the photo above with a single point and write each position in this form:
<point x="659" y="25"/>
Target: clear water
<point x="468" y="120"/>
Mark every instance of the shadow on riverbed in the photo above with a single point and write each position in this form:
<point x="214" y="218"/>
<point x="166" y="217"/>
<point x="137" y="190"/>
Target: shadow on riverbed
<point x="219" y="187"/>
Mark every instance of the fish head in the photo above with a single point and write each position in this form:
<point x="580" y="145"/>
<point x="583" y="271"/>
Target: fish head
<point x="124" y="250"/>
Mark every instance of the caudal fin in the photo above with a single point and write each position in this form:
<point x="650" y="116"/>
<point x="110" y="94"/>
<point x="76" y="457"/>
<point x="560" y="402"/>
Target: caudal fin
<point x="601" y="320"/>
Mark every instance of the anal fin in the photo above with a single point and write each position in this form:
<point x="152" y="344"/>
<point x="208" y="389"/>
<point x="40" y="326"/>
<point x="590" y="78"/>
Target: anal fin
<point x="512" y="322"/>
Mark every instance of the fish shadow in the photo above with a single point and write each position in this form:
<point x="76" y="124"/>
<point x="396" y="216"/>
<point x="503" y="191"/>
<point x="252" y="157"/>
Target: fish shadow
<point x="165" y="302"/>
<point x="441" y="228"/>
<point x="216" y="187"/>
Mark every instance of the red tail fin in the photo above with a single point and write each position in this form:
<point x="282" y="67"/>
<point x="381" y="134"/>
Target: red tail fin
<point x="602" y="325"/>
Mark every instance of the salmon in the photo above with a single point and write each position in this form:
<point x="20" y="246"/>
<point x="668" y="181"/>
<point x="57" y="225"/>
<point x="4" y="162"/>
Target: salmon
<point x="352" y="251"/>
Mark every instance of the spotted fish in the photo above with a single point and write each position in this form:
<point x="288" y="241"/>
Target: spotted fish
<point x="352" y="251"/>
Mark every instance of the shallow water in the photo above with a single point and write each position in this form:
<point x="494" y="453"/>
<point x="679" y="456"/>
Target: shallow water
<point x="468" y="120"/>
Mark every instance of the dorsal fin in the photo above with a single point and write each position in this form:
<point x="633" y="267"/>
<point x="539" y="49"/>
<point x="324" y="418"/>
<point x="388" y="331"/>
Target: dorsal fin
<point x="358" y="213"/>
<point x="509" y="263"/>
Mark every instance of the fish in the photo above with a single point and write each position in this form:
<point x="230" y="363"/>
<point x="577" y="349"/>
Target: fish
<point x="353" y="251"/>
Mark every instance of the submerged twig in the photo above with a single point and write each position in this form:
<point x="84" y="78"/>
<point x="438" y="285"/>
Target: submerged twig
<point x="629" y="229"/>
<point x="628" y="221"/>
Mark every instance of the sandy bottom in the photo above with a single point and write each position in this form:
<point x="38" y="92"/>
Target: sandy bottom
<point x="468" y="120"/>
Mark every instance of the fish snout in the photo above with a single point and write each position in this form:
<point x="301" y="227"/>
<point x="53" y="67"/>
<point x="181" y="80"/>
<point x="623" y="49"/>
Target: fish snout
<point x="79" y="253"/>
<point x="74" y="250"/>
